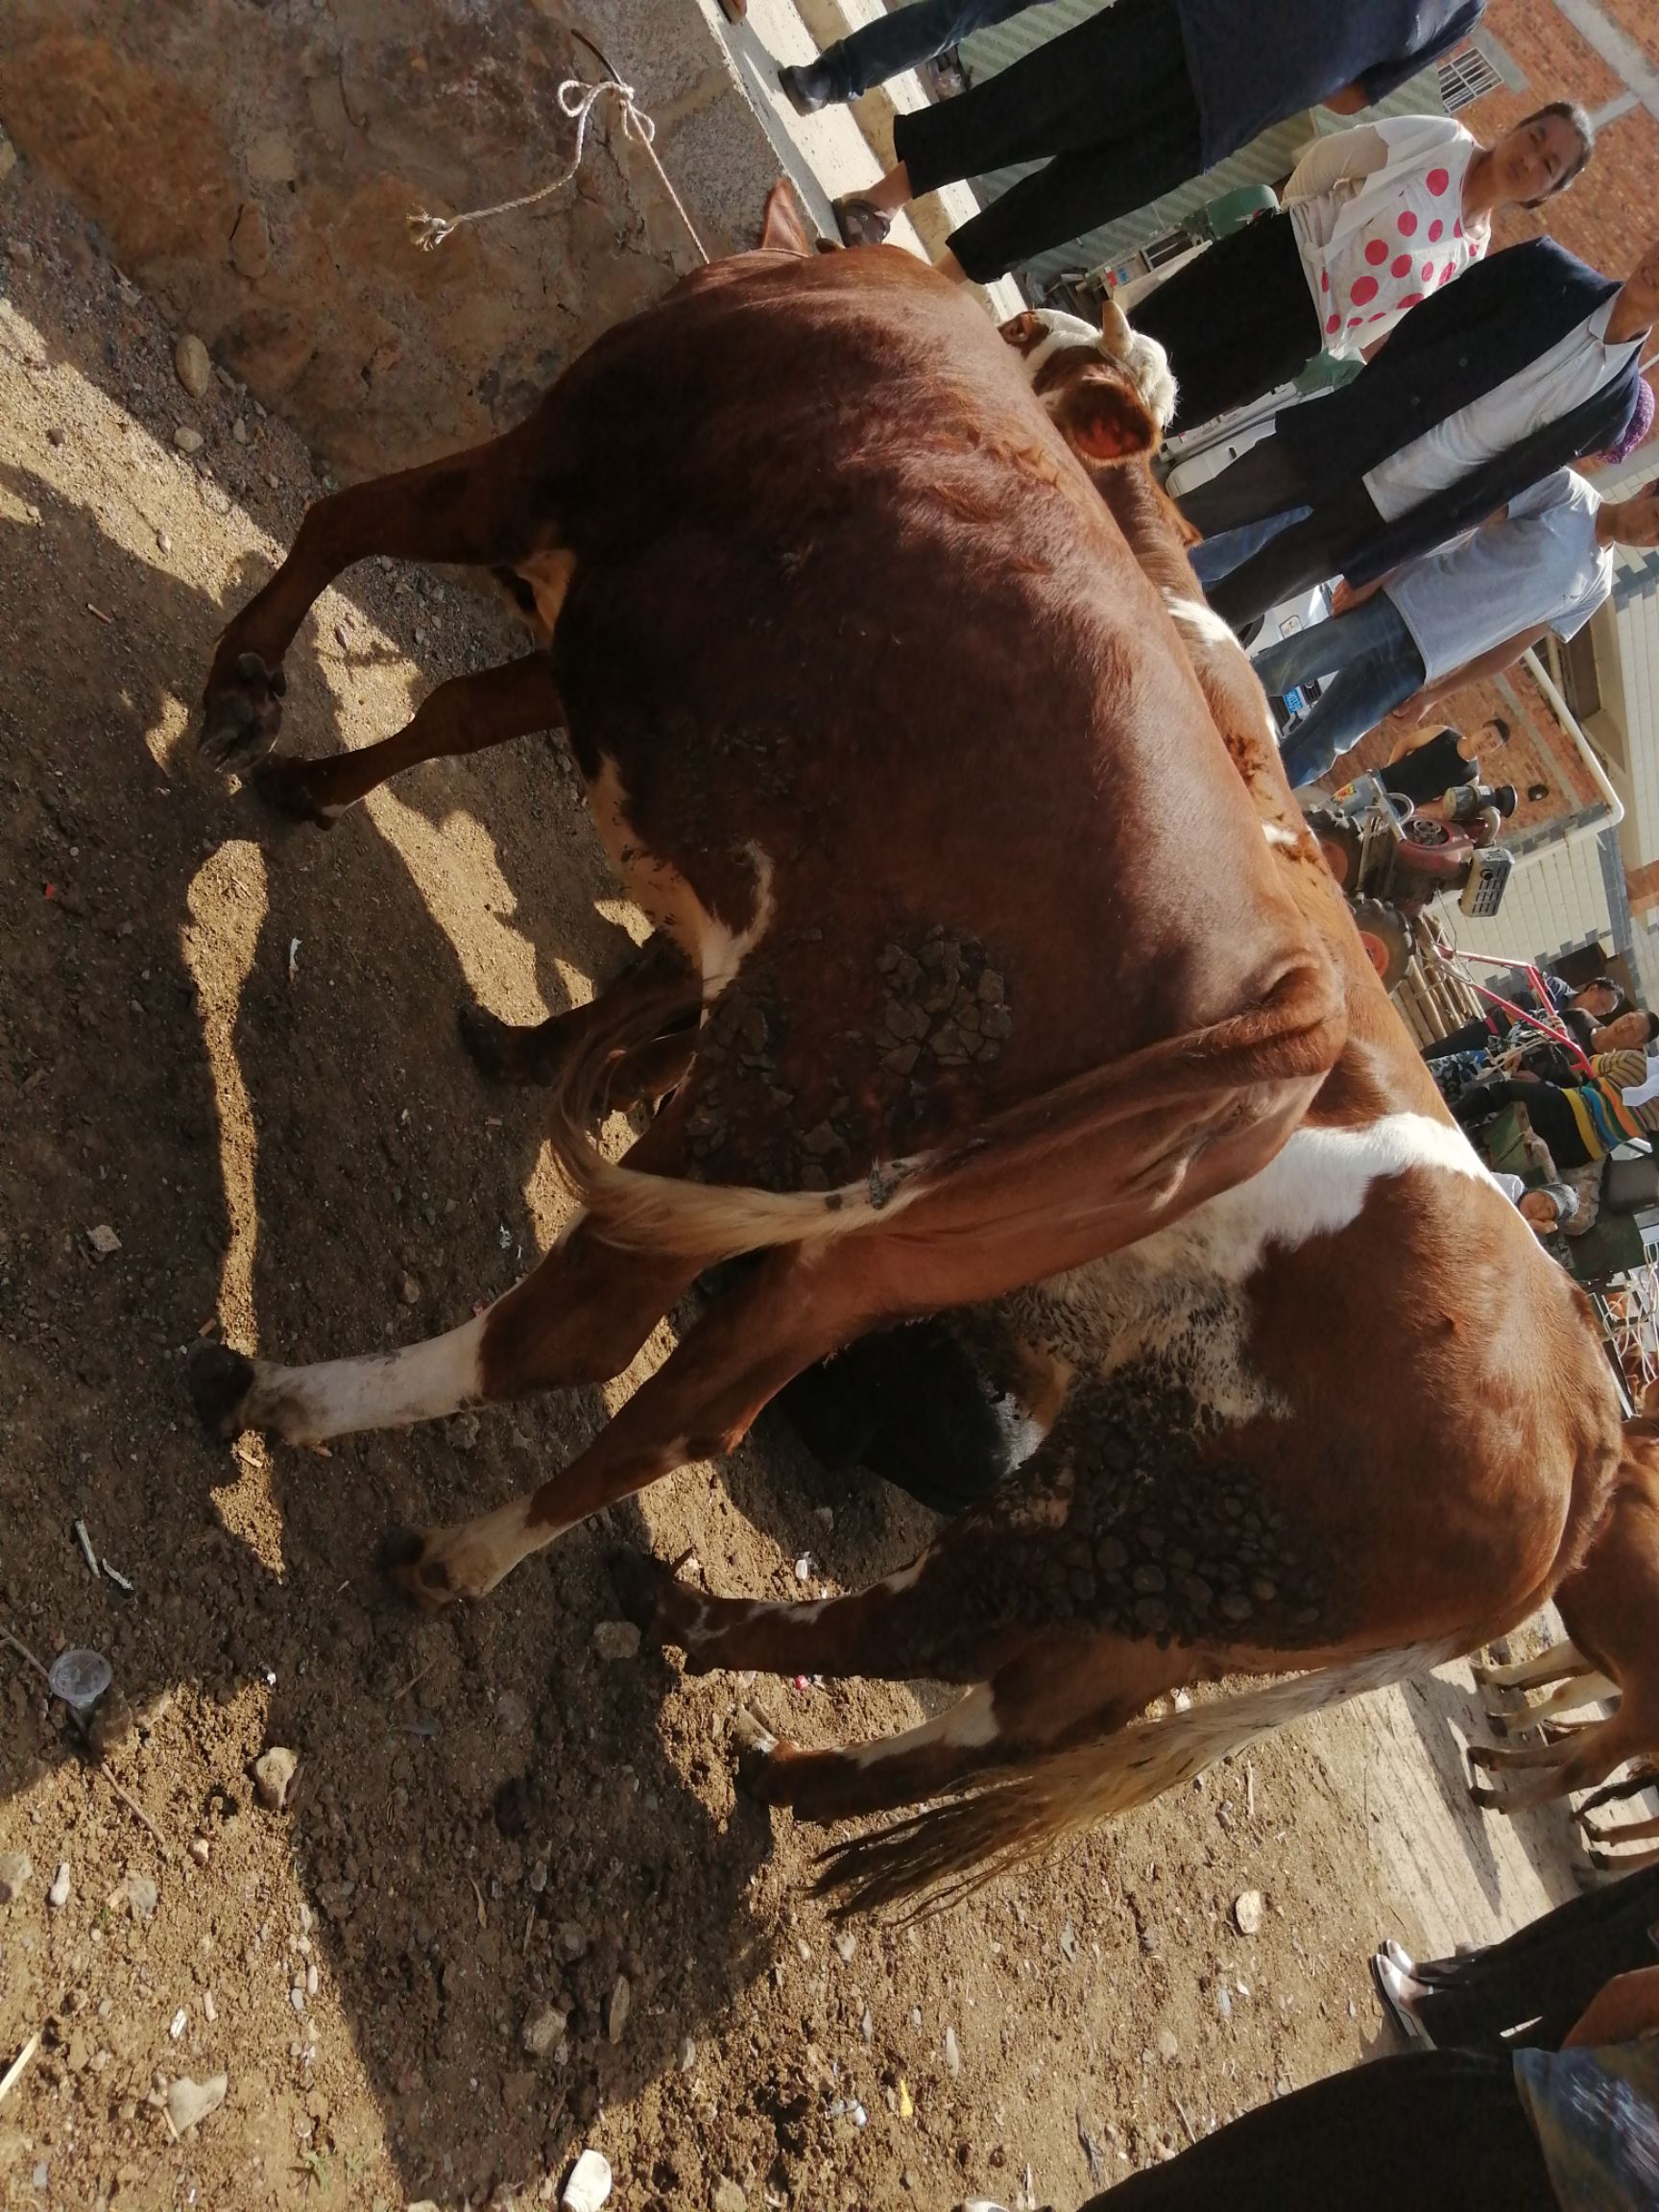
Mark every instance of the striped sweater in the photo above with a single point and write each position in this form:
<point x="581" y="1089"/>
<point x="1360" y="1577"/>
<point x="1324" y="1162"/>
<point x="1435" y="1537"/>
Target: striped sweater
<point x="1604" y="1120"/>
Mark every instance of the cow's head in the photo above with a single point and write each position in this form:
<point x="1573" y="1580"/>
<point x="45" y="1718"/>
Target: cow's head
<point x="1109" y="390"/>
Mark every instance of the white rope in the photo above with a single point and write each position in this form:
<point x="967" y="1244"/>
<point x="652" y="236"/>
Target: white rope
<point x="578" y="101"/>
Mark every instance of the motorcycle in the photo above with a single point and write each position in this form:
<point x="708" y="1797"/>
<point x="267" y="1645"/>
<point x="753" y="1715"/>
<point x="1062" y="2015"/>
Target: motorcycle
<point x="1391" y="862"/>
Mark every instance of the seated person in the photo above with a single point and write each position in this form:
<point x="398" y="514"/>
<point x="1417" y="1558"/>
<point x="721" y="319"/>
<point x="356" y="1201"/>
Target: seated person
<point x="1599" y="1001"/>
<point x="1546" y="1210"/>
<point x="1580" y="1122"/>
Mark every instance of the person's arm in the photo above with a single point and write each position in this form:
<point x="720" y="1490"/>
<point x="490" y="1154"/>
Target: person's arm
<point x="1476" y="671"/>
<point x="1329" y="159"/>
<point x="1349" y="101"/>
<point x="1625" y="2009"/>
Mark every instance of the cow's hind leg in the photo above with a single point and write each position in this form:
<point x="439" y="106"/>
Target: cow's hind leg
<point x="476" y="508"/>
<point x="1031" y="1693"/>
<point x="1556" y="1664"/>
<point x="468" y="714"/>
<point x="540" y="1052"/>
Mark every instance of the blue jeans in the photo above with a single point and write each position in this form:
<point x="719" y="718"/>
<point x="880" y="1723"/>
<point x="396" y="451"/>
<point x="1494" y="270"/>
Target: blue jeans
<point x="1373" y="666"/>
<point x="900" y="40"/>
<point x="1216" y="557"/>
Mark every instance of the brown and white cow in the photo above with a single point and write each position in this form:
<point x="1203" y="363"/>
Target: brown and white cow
<point x="1016" y="986"/>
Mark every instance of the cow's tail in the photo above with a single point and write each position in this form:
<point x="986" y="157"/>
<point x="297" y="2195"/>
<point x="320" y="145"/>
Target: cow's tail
<point x="948" y="1850"/>
<point x="705" y="1221"/>
<point x="1225" y="1077"/>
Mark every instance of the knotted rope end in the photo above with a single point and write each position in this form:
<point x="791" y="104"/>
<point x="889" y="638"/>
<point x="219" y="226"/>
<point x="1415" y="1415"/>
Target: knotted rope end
<point x="429" y="231"/>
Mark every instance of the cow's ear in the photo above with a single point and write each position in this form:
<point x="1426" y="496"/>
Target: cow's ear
<point x="1104" y="418"/>
<point x="1025" y="331"/>
<point x="784" y="229"/>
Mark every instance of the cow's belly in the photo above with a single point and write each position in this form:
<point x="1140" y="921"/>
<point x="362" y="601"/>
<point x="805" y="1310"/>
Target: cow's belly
<point x="1177" y="1305"/>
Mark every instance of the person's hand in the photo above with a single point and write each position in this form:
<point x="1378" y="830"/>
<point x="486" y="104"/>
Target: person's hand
<point x="1347" y="596"/>
<point x="1627" y="2007"/>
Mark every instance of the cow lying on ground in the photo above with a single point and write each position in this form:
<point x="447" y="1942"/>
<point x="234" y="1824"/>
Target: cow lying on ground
<point x="1610" y="1609"/>
<point x="1005" y="978"/>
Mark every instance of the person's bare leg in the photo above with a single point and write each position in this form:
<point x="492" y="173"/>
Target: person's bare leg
<point x="892" y="193"/>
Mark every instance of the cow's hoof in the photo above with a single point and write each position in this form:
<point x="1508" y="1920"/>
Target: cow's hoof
<point x="504" y="1051"/>
<point x="758" y="1762"/>
<point x="645" y="1588"/>
<point x="241" y="716"/>
<point x="1488" y="1801"/>
<point x="218" y="1382"/>
<point x="283" y="784"/>
<point x="1483" y="1755"/>
<point x="410" y="1559"/>
<point x="1497" y="1722"/>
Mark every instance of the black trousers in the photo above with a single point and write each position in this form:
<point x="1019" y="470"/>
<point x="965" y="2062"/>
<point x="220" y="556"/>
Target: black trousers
<point x="1473" y="1037"/>
<point x="1533" y="1986"/>
<point x="1547" y="1109"/>
<point x="1264" y="482"/>
<point x="1237" y="321"/>
<point x="1431" y="2131"/>
<point x="1109" y="106"/>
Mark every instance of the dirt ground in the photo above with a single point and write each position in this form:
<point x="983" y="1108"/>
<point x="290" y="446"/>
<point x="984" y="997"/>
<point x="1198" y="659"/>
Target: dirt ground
<point x="236" y="1050"/>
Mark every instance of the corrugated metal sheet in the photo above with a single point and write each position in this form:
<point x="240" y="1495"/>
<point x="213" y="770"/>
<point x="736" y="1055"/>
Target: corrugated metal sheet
<point x="1267" y="159"/>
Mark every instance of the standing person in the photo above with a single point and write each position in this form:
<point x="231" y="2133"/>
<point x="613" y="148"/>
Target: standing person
<point x="1457" y="617"/>
<point x="1428" y="763"/>
<point x="1373" y="220"/>
<point x="1526" y="1990"/>
<point x="1136" y="100"/>
<point x="1574" y="2131"/>
<point x="1528" y="362"/>
<point x="900" y="40"/>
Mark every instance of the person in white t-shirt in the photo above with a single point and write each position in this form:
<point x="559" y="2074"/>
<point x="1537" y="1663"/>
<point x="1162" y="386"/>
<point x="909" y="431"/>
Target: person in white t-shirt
<point x="1457" y="616"/>
<point x="1374" y="219"/>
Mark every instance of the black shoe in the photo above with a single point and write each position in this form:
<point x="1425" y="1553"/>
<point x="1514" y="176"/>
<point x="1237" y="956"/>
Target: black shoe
<point x="805" y="91"/>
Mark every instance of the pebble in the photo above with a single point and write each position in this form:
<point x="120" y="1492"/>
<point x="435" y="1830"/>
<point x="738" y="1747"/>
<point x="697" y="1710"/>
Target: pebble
<point x="409" y="1289"/>
<point x="953" y="2053"/>
<point x="729" y="2197"/>
<point x="274" y="1777"/>
<point x="687" y="2054"/>
<point x="57" y="1896"/>
<point x="142" y="1896"/>
<point x="616" y="2010"/>
<point x="1070" y="1947"/>
<point x="163" y="543"/>
<point x="570" y="1941"/>
<point x="1247" y="1910"/>
<point x="195" y="371"/>
<point x="188" y="438"/>
<point x="589" y="2183"/>
<point x="511" y="1710"/>
<point x="1169" y="2049"/>
<point x="541" y="2034"/>
<point x="103" y="1239"/>
<point x="201" y="1850"/>
<point x="239" y="431"/>
<point x="15" y="1869"/>
<point x="846" y="1945"/>
<point x="188" y="2102"/>
<point x="177" y="2026"/>
<point x="617" y="1638"/>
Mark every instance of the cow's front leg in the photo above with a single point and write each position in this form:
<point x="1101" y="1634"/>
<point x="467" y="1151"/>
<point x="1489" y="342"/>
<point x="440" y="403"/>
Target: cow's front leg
<point x="468" y="714"/>
<point x="474" y="508"/>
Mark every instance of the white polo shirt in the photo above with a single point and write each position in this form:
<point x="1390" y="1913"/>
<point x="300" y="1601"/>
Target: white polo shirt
<point x="1572" y="370"/>
<point x="1540" y="565"/>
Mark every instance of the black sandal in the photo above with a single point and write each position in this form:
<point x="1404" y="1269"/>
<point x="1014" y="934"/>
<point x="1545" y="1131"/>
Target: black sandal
<point x="860" y="222"/>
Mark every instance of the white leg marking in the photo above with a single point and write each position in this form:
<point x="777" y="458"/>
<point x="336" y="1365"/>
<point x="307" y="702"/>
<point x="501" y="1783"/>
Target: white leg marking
<point x="966" y="1725"/>
<point x="383" y="1390"/>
